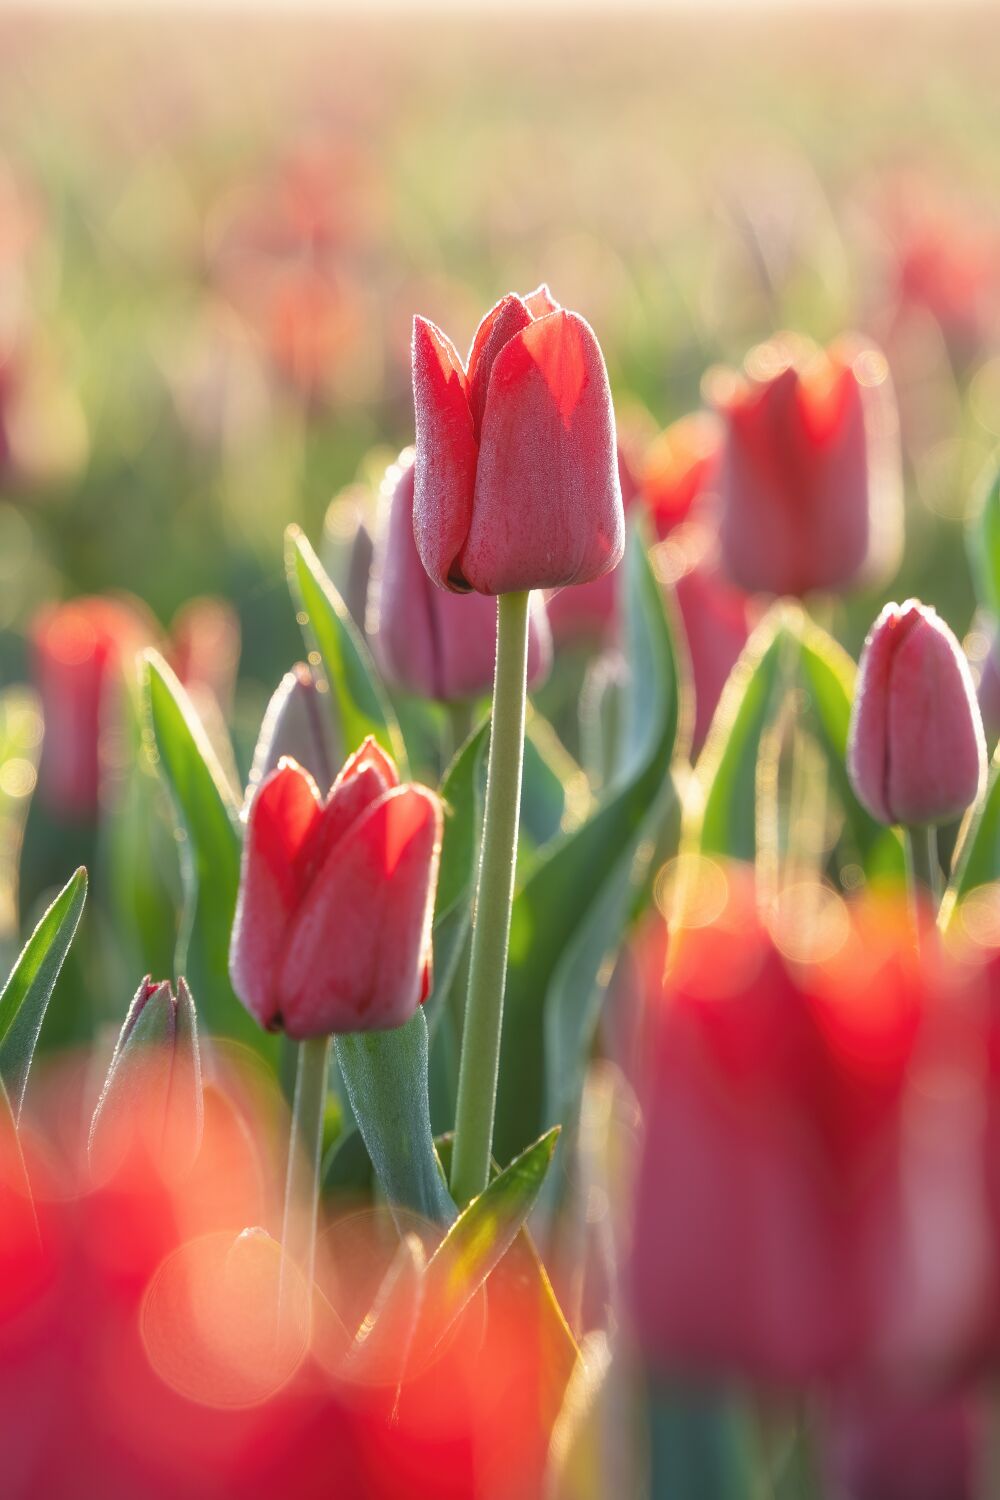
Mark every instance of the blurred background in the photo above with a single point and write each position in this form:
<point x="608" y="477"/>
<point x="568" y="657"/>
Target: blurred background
<point x="215" y="231"/>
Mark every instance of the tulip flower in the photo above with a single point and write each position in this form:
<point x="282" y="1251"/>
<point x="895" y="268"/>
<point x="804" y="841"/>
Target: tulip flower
<point x="152" y="1094"/>
<point x="516" y="480"/>
<point x="810" y="483"/>
<point x="916" y="752"/>
<point x="332" y="927"/>
<point x="82" y="650"/>
<point x="775" y="1072"/>
<point x="427" y="641"/>
<point x="297" y="726"/>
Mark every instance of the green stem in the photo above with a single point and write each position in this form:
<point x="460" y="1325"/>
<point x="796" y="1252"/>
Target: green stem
<point x="923" y="868"/>
<point x="305" y="1149"/>
<point x="477" y="1079"/>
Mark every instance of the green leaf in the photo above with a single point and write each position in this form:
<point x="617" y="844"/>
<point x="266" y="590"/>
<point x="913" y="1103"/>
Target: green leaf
<point x="463" y="792"/>
<point x="482" y="1234"/>
<point x="26" y="994"/>
<point x="727" y="768"/>
<point x="983" y="539"/>
<point x="385" y="1074"/>
<point x="827" y="673"/>
<point x="554" y="790"/>
<point x="208" y="841"/>
<point x="569" y="915"/>
<point x="977" y="857"/>
<point x="787" y="653"/>
<point x="361" y="705"/>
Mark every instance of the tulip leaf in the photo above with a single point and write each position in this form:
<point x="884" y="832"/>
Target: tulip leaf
<point x="569" y="915"/>
<point x="26" y="994"/>
<point x="700" y="1443"/>
<point x="727" y="767"/>
<point x="482" y="1234"/>
<point x="827" y="673"/>
<point x="787" y="653"/>
<point x="359" y="701"/>
<point x="385" y="1075"/>
<point x="463" y="792"/>
<point x="984" y="541"/>
<point x="977" y="857"/>
<point x="208" y="842"/>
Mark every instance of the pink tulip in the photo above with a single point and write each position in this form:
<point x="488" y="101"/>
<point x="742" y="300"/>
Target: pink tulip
<point x="810" y="483"/>
<point x="428" y="641"/>
<point x="332" y="930"/>
<point x="516" y="483"/>
<point x="916" y="752"/>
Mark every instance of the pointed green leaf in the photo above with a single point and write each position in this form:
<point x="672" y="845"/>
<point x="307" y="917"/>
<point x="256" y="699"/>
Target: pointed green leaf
<point x="208" y="843"/>
<point x="827" y="674"/>
<point x="727" y="768"/>
<point x="361" y="706"/>
<point x="385" y="1074"/>
<point x="482" y="1234"/>
<point x="26" y="994"/>
<point x="570" y="913"/>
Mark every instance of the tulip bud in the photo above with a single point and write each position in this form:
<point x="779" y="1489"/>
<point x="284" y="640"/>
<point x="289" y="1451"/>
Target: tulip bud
<point x="428" y="641"/>
<point x="516" y="483"/>
<point x="297" y="725"/>
<point x="333" y="920"/>
<point x="916" y="753"/>
<point x="82" y="650"/>
<point x="810" y="482"/>
<point x="152" y="1095"/>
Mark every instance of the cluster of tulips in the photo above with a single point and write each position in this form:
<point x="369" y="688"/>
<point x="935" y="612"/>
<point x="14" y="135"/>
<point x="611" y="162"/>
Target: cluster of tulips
<point x="646" y="1147"/>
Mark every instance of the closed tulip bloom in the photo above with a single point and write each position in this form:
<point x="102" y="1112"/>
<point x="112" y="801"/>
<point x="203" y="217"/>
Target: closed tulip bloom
<point x="810" y="482"/>
<point x="516" y="481"/>
<point x="152" y="1097"/>
<point x="297" y="725"/>
<point x="332" y="929"/>
<point x="428" y="641"/>
<point x="774" y="1075"/>
<point x="916" y="752"/>
<point x="82" y="650"/>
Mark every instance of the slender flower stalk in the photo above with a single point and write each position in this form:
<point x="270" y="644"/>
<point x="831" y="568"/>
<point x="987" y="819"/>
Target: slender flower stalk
<point x="305" y="1149"/>
<point x="923" y="866"/>
<point x="477" y="1082"/>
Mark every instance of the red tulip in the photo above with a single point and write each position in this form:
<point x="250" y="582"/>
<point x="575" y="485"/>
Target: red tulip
<point x="428" y="641"/>
<point x="916" y="752"/>
<point x="516" y="478"/>
<point x="767" y="1200"/>
<point x="81" y="653"/>
<point x="717" y="621"/>
<point x="332" y="928"/>
<point x="810" y="481"/>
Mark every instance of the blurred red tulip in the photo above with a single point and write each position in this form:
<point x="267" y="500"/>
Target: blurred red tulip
<point x="810" y="483"/>
<point x="429" y="641"/>
<point x="332" y="926"/>
<point x="205" y="648"/>
<point x="902" y="1450"/>
<point x="82" y="652"/>
<point x="516" y="481"/>
<point x="767" y="1205"/>
<point x="916" y="752"/>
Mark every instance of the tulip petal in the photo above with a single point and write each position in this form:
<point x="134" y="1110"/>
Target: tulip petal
<point x="366" y="776"/>
<point x="445" y="474"/>
<point x="498" y="327"/>
<point x="548" y="508"/>
<point x="541" y="301"/>
<point x="281" y="820"/>
<point x="359" y="944"/>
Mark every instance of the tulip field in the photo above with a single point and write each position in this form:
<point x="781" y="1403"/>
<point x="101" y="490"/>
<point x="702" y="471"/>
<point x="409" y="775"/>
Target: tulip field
<point x="499" y="717"/>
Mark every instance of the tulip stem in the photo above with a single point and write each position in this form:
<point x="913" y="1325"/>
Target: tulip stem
<point x="923" y="867"/>
<point x="305" y="1149"/>
<point x="480" y="1060"/>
